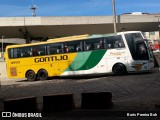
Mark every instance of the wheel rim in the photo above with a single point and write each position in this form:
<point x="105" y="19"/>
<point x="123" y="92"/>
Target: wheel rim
<point x="31" y="75"/>
<point x="42" y="75"/>
<point x="119" y="69"/>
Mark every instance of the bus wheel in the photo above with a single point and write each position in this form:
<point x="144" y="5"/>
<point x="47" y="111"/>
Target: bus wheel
<point x="42" y="75"/>
<point x="119" y="69"/>
<point x="30" y="75"/>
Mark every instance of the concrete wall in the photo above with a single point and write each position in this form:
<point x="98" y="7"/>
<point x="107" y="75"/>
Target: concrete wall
<point x="15" y="27"/>
<point x="13" y="40"/>
<point x="3" y="69"/>
<point x="19" y="21"/>
<point x="74" y="20"/>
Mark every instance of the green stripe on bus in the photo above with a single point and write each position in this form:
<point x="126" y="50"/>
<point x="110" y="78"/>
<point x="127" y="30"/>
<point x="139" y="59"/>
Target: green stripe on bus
<point x="93" y="59"/>
<point x="79" y="61"/>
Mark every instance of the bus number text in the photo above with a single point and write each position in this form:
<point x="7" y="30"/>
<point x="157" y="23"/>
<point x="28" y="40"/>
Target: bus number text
<point x="15" y="62"/>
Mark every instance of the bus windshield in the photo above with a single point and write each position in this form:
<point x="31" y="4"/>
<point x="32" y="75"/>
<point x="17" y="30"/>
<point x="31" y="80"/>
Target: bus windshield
<point x="137" y="46"/>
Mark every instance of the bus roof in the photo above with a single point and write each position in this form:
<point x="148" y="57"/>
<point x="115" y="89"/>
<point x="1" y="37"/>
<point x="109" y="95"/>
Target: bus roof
<point x="62" y="39"/>
<point x="100" y="35"/>
<point x="71" y="38"/>
<point x="76" y="37"/>
<point x="79" y="37"/>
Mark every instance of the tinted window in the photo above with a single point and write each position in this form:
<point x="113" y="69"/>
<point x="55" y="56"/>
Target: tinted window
<point x="39" y="50"/>
<point x="11" y="53"/>
<point x="93" y="44"/>
<point x="111" y="42"/>
<point x="20" y="52"/>
<point x="25" y="52"/>
<point x="73" y="46"/>
<point x="55" y="48"/>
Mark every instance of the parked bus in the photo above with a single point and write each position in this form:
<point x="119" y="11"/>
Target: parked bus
<point x="80" y="55"/>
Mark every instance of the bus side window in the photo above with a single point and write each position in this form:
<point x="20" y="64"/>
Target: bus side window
<point x="94" y="44"/>
<point x="25" y="52"/>
<point x="71" y="49"/>
<point x="88" y="47"/>
<point x="72" y="46"/>
<point x="54" y="48"/>
<point x="78" y="48"/>
<point x="109" y="45"/>
<point x="34" y="52"/>
<point x="99" y="45"/>
<point x="59" y="50"/>
<point x="29" y="53"/>
<point x="65" y="49"/>
<point x="112" y="42"/>
<point x="116" y="44"/>
<point x="39" y="50"/>
<point x="120" y="44"/>
<point x="19" y="52"/>
<point x="105" y="45"/>
<point x="10" y="53"/>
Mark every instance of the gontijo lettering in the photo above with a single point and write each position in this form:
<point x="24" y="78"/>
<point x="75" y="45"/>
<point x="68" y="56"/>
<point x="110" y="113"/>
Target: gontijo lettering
<point x="51" y="58"/>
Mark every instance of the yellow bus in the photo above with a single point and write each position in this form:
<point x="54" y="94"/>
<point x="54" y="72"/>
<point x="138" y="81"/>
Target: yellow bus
<point x="80" y="55"/>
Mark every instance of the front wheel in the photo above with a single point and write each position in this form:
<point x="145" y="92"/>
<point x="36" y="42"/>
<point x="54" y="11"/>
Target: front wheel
<point x="30" y="75"/>
<point x="119" y="69"/>
<point x="42" y="75"/>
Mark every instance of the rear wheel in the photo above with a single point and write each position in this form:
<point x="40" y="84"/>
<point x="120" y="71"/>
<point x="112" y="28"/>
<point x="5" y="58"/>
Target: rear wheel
<point x="42" y="75"/>
<point x="30" y="75"/>
<point x="119" y="69"/>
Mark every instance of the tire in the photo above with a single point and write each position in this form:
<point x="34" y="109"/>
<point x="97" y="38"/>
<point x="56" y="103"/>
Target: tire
<point x="42" y="75"/>
<point x="119" y="69"/>
<point x="30" y="75"/>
